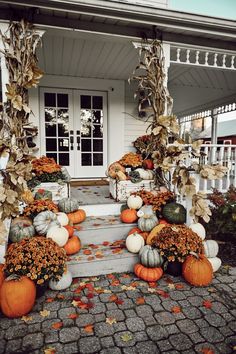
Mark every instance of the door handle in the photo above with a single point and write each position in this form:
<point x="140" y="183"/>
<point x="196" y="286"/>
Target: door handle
<point x="71" y="142"/>
<point x="78" y="142"/>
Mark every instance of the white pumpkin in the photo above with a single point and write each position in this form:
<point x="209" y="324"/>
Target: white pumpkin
<point x="199" y="229"/>
<point x="211" y="248"/>
<point x="59" y="235"/>
<point x="215" y="262"/>
<point x="63" y="283"/>
<point x="62" y="218"/>
<point x="134" y="242"/>
<point x="145" y="174"/>
<point x="134" y="202"/>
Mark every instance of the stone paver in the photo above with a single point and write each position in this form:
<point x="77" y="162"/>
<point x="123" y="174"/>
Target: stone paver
<point x="140" y="321"/>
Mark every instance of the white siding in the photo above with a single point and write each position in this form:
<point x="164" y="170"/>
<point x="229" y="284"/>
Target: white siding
<point x="153" y="3"/>
<point x="133" y="127"/>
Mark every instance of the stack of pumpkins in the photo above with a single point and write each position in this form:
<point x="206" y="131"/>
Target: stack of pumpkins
<point x="139" y="240"/>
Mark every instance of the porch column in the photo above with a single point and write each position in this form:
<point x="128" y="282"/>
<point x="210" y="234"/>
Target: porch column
<point x="166" y="54"/>
<point x="4" y="70"/>
<point x="214" y="124"/>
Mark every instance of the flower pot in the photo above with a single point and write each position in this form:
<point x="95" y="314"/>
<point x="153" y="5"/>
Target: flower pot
<point x="41" y="289"/>
<point x="174" y="268"/>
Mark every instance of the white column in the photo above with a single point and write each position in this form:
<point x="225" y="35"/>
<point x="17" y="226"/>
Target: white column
<point x="214" y="124"/>
<point x="166" y="54"/>
<point x="4" y="70"/>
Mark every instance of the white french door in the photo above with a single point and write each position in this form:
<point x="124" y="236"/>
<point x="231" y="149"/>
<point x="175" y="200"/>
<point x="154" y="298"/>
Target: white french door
<point x="74" y="130"/>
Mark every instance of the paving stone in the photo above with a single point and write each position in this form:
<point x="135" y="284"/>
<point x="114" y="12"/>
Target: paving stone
<point x="117" y="314"/>
<point x="187" y="326"/>
<point x="169" y="304"/>
<point x="12" y="346"/>
<point x="33" y="341"/>
<point x="184" y="303"/>
<point x="211" y="334"/>
<point x="225" y="279"/>
<point x="104" y="297"/>
<point x="157" y="332"/>
<point x="121" y="343"/>
<point x="164" y="345"/>
<point x="51" y="336"/>
<point x="84" y="320"/>
<point x="141" y="336"/>
<point x="144" y="311"/>
<point x="149" y="320"/>
<point x="200" y="347"/>
<point x="177" y="295"/>
<point x="70" y="334"/>
<point x="200" y="291"/>
<point x="232" y="325"/>
<point x="130" y="313"/>
<point x="89" y="345"/>
<point x="128" y="304"/>
<point x="5" y="323"/>
<point x="107" y="342"/>
<point x="103" y="329"/>
<point x="110" y="351"/>
<point x="191" y="312"/>
<point x="215" y="320"/>
<point x="154" y="302"/>
<point x="71" y="348"/>
<point x="100" y="317"/>
<point x="201" y="323"/>
<point x="99" y="308"/>
<point x="135" y="324"/>
<point x="180" y="341"/>
<point x="59" y="348"/>
<point x="232" y="271"/>
<point x="130" y="350"/>
<point x="147" y="347"/>
<point x="52" y="306"/>
<point x="16" y="332"/>
<point x="2" y="346"/>
<point x="172" y="328"/>
<point x="120" y="326"/>
<point x="228" y="317"/>
<point x="165" y="318"/>
<point x="196" y="337"/>
<point x="111" y="306"/>
<point x="34" y="328"/>
<point x="226" y="331"/>
<point x="196" y="300"/>
<point x="224" y="287"/>
<point x="64" y="313"/>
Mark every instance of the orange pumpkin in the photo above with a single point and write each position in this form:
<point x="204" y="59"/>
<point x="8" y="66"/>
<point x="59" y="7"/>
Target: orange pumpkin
<point x="2" y="275"/>
<point x="73" y="245"/>
<point x="129" y="216"/>
<point x="147" y="274"/>
<point x="197" y="270"/>
<point x="17" y="295"/>
<point x="70" y="230"/>
<point x="163" y="222"/>
<point x="77" y="216"/>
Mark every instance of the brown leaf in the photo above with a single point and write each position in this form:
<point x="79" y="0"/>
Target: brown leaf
<point x="207" y="304"/>
<point x="49" y="350"/>
<point x="57" y="325"/>
<point x="89" y="328"/>
<point x="113" y="298"/>
<point x="206" y="350"/>
<point x="73" y="316"/>
<point x="140" y="301"/>
<point x="176" y="309"/>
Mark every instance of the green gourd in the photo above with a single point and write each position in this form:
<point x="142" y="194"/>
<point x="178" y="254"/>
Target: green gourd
<point x="19" y="231"/>
<point x="147" y="219"/>
<point x="43" y="194"/>
<point x="174" y="213"/>
<point x="150" y="257"/>
<point x="68" y="205"/>
<point x="44" y="220"/>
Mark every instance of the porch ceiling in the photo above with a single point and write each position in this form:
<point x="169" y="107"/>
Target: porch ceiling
<point x="193" y="89"/>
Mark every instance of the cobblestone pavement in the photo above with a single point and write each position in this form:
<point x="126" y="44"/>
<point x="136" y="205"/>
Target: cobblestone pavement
<point x="121" y="314"/>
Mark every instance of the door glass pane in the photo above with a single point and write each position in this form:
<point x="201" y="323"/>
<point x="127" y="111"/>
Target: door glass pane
<point x="97" y="145"/>
<point x="50" y="99"/>
<point x="86" y="159"/>
<point x="50" y="130"/>
<point x="63" y="144"/>
<point x="52" y="155"/>
<point x="63" y="116"/>
<point x="97" y="159"/>
<point x="50" y="115"/>
<point x="85" y="123"/>
<point x="86" y="145"/>
<point x="98" y="131"/>
<point x="97" y="117"/>
<point x="63" y="130"/>
<point x="85" y="101"/>
<point x="97" y="102"/>
<point x="62" y="100"/>
<point x="64" y="159"/>
<point x="51" y="144"/>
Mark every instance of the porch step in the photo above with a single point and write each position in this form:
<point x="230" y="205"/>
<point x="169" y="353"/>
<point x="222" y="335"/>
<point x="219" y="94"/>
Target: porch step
<point x="97" y="229"/>
<point x="102" y="209"/>
<point x="106" y="258"/>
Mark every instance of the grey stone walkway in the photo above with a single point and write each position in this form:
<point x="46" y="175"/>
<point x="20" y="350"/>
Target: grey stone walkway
<point x="121" y="314"/>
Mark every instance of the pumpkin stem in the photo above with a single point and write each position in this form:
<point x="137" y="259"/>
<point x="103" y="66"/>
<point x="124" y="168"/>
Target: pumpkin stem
<point x="194" y="254"/>
<point x="14" y="277"/>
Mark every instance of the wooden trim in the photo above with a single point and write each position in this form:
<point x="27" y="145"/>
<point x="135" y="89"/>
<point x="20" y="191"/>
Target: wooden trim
<point x="97" y="182"/>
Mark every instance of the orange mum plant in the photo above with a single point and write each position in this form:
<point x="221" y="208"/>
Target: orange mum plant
<point x="32" y="209"/>
<point x="45" y="165"/>
<point x="39" y="258"/>
<point x="175" y="242"/>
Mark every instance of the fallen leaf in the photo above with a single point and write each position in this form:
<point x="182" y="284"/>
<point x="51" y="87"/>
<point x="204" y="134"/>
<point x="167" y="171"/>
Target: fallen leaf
<point x="152" y="284"/>
<point x="60" y="297"/>
<point x="89" y="328"/>
<point x="49" y="350"/>
<point x="75" y="303"/>
<point x="125" y="276"/>
<point x="107" y="291"/>
<point x="125" y="287"/>
<point x="207" y="304"/>
<point x="44" y="313"/>
<point x="212" y="290"/>
<point x="90" y="295"/>
<point x="89" y="286"/>
<point x="111" y="320"/>
<point x="95" y="279"/>
<point x="151" y="290"/>
<point x="110" y="276"/>
<point x="106" y="243"/>
<point x="78" y="290"/>
<point x="50" y="299"/>
<point x="179" y="286"/>
<point x="26" y="318"/>
<point x="96" y="225"/>
<point x="168" y="280"/>
<point x="140" y="301"/>
<point x="119" y="301"/>
<point x="87" y="252"/>
<point x="117" y="250"/>
<point x="162" y="293"/>
<point x="126" y="337"/>
<point x="176" y="309"/>
<point x="73" y="316"/>
<point x="99" y="256"/>
<point x="115" y="282"/>
<point x="113" y="298"/>
<point x="90" y="258"/>
<point x="57" y="325"/>
<point x="171" y="286"/>
<point x="90" y="305"/>
<point x="207" y="351"/>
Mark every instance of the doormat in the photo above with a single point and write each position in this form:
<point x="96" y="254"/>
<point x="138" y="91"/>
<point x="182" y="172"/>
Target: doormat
<point x="97" y="182"/>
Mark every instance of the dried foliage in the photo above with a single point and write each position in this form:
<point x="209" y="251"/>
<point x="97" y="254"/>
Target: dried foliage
<point x="20" y="43"/>
<point x="32" y="209"/>
<point x="177" y="159"/>
<point x="131" y="160"/>
<point x="156" y="199"/>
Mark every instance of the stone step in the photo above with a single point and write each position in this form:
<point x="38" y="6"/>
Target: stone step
<point x="97" y="229"/>
<point x="106" y="258"/>
<point x="102" y="209"/>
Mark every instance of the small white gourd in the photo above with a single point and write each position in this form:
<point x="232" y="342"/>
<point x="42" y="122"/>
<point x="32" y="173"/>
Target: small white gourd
<point x="134" y="202"/>
<point x="215" y="262"/>
<point x="58" y="234"/>
<point x="134" y="242"/>
<point x="211" y="248"/>
<point x="198" y="229"/>
<point x="63" y="283"/>
<point x="62" y="218"/>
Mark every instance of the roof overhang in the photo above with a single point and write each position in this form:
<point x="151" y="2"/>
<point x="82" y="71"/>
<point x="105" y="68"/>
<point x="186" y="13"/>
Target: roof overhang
<point x="124" y="19"/>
